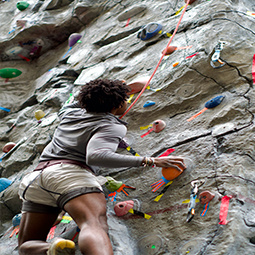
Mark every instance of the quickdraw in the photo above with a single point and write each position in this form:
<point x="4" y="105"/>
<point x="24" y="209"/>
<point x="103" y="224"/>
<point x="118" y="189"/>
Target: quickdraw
<point x="194" y="191"/>
<point x="216" y="56"/>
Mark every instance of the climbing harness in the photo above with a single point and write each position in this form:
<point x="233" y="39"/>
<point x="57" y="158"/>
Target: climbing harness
<point x="194" y="191"/>
<point x="155" y="70"/>
<point x="216" y="56"/>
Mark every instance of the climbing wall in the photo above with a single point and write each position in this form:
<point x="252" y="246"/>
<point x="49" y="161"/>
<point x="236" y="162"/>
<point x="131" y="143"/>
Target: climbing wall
<point x="202" y="89"/>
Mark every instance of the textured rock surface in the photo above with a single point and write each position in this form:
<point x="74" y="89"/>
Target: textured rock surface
<point x="219" y="142"/>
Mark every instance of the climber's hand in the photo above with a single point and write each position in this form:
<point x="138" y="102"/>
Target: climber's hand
<point x="170" y="161"/>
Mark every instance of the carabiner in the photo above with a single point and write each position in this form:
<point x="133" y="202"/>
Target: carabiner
<point x="216" y="56"/>
<point x="197" y="183"/>
<point x="191" y="210"/>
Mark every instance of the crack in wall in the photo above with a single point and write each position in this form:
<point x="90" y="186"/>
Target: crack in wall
<point x="250" y="82"/>
<point x="205" y="76"/>
<point x="188" y="140"/>
<point x="249" y="30"/>
<point x="207" y="20"/>
<point x="218" y="231"/>
<point x="117" y="37"/>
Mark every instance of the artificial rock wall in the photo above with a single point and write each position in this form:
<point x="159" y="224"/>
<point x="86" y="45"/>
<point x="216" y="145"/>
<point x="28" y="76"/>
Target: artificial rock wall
<point x="218" y="144"/>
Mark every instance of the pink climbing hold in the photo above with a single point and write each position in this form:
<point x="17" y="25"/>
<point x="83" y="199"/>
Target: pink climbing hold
<point x="122" y="208"/>
<point x="137" y="85"/>
<point x="8" y="146"/>
<point x="158" y="125"/>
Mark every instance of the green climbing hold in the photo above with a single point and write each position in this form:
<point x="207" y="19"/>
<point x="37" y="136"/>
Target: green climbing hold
<point x="22" y="5"/>
<point x="9" y="73"/>
<point x="112" y="185"/>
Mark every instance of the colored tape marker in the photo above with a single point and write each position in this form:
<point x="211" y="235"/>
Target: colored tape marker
<point x="197" y="114"/>
<point x="224" y="210"/>
<point x="146" y="127"/>
<point x="130" y="98"/>
<point x="250" y="13"/>
<point x="4" y="109"/>
<point x="127" y="22"/>
<point x="179" y="10"/>
<point x="149" y="131"/>
<point x="132" y="151"/>
<point x="193" y="55"/>
<point x="167" y="152"/>
<point x="144" y="215"/>
<point x="253" y="70"/>
<point x="188" y="201"/>
<point x="205" y="209"/>
<point x="163" y="192"/>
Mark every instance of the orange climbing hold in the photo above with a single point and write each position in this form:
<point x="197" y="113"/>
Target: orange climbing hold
<point x="170" y="173"/>
<point x="169" y="50"/>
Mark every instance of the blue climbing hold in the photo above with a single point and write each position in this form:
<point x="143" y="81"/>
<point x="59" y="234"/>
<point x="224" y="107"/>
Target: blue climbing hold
<point x="214" y="102"/>
<point x="16" y="220"/>
<point x="148" y="103"/>
<point x="4" y="183"/>
<point x="149" y="30"/>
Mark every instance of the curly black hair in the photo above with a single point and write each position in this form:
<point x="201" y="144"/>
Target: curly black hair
<point x="102" y="95"/>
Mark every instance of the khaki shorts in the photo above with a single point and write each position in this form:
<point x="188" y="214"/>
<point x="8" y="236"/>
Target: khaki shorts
<point x="56" y="185"/>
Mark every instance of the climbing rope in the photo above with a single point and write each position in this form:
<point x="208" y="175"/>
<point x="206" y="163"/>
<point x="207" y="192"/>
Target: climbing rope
<point x="163" y="54"/>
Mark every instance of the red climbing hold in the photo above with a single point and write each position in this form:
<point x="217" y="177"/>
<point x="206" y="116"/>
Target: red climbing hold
<point x="205" y="197"/>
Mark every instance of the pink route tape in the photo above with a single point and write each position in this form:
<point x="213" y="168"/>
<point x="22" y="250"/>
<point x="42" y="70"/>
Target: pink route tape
<point x="253" y="70"/>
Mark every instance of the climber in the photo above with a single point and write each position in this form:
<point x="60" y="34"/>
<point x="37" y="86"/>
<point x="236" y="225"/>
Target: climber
<point x="87" y="137"/>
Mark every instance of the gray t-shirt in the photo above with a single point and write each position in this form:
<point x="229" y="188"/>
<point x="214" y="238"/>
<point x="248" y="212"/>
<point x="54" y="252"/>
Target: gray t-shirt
<point x="91" y="138"/>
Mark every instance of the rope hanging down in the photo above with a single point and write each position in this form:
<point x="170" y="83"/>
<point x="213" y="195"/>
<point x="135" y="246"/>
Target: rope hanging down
<point x="164" y="52"/>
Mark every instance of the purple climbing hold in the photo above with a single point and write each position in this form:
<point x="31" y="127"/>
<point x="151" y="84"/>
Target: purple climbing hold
<point x="73" y="39"/>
